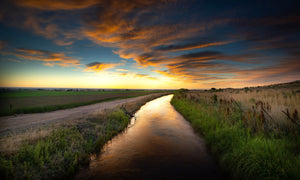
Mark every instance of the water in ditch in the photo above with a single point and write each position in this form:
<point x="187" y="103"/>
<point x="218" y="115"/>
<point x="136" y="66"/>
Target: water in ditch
<point x="158" y="144"/>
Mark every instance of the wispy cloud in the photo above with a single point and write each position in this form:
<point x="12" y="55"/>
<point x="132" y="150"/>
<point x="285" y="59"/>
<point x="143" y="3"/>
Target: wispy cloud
<point x="49" y="58"/>
<point x="30" y="15"/>
<point x="122" y="70"/>
<point x="149" y="43"/>
<point x="189" y="46"/>
<point x="57" y="4"/>
<point x="98" y="67"/>
<point x="47" y="30"/>
<point x="132" y="75"/>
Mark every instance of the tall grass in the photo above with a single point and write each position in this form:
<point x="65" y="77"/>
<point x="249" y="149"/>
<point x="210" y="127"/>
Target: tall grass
<point x="243" y="151"/>
<point x="277" y="100"/>
<point x="62" y="153"/>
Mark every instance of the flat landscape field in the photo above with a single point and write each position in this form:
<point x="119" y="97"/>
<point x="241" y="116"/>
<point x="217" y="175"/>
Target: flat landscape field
<point x="31" y="101"/>
<point x="31" y="93"/>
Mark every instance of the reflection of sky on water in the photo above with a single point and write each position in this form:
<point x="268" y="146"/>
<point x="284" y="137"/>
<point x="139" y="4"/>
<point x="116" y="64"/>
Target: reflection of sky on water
<point x="160" y="144"/>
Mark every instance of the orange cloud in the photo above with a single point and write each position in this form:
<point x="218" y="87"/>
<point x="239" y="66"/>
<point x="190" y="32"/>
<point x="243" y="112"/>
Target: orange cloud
<point x="49" y="64"/>
<point x="149" y="44"/>
<point x="190" y="46"/>
<point x="56" y="4"/>
<point x="61" y="42"/>
<point x="165" y="73"/>
<point x="97" y="66"/>
<point x="51" y="58"/>
<point x="135" y="76"/>
<point x="122" y="70"/>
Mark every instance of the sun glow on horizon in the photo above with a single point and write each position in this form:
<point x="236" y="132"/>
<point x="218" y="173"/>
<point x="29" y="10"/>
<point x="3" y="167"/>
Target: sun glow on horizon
<point x="96" y="80"/>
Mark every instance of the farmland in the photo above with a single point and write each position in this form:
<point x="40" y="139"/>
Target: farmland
<point x="32" y="101"/>
<point x="253" y="132"/>
<point x="58" y="92"/>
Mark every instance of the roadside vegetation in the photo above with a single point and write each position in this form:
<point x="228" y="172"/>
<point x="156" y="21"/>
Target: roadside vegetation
<point x="59" y="151"/>
<point x="37" y="101"/>
<point x="254" y="133"/>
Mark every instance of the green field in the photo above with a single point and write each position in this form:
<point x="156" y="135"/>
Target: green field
<point x="35" y="101"/>
<point x="32" y="93"/>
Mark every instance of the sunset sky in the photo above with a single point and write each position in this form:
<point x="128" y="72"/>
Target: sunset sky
<point x="148" y="43"/>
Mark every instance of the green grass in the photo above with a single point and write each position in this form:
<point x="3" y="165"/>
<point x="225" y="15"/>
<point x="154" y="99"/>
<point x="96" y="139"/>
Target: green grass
<point x="33" y="93"/>
<point x="61" y="154"/>
<point x="242" y="153"/>
<point x="41" y="109"/>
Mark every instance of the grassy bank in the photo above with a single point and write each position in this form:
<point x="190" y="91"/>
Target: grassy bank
<point x="244" y="149"/>
<point x="66" y="147"/>
<point x="48" y="108"/>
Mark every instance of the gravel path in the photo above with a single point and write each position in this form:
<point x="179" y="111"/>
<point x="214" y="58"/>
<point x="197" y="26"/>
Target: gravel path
<point x="20" y="122"/>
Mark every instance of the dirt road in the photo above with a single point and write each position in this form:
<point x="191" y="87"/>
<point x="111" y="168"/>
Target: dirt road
<point x="20" y="122"/>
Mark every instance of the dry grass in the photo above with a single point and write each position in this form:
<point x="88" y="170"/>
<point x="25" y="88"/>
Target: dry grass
<point x="266" y="103"/>
<point x="12" y="142"/>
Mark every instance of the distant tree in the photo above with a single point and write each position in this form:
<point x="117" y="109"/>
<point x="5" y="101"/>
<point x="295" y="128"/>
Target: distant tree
<point x="182" y="90"/>
<point x="246" y="89"/>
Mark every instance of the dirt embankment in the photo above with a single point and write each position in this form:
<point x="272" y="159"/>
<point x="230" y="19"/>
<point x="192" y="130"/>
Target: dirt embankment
<point x="13" y="103"/>
<point x="11" y="124"/>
